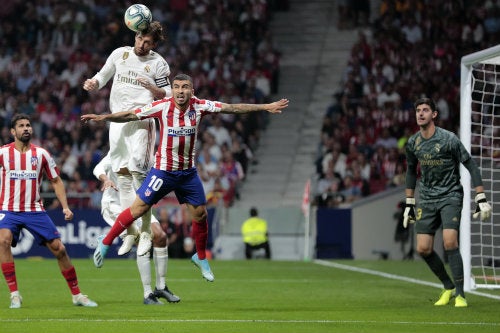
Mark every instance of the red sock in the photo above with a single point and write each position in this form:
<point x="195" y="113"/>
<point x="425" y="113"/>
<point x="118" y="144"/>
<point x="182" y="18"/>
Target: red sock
<point x="72" y="280"/>
<point x="9" y="271"/>
<point x="123" y="221"/>
<point x="200" y="234"/>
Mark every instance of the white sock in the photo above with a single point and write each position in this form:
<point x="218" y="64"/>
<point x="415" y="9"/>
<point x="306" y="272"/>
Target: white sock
<point x="137" y="179"/>
<point x="127" y="196"/>
<point x="160" y="258"/>
<point x="144" y="266"/>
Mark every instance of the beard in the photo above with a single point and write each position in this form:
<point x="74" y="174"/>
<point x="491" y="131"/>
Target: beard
<point x="25" y="138"/>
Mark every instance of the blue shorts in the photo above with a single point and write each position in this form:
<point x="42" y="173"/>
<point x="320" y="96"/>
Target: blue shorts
<point x="39" y="224"/>
<point x="186" y="185"/>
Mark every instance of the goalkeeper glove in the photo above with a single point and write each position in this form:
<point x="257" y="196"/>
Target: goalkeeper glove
<point x="483" y="208"/>
<point x="409" y="213"/>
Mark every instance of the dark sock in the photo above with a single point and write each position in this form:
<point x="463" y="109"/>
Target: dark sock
<point x="457" y="269"/>
<point x="437" y="267"/>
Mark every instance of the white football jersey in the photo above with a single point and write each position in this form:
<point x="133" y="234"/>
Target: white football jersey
<point x="125" y="67"/>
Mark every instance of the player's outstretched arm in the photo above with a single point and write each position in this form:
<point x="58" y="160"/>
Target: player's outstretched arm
<point x="275" y="107"/>
<point x="118" y="117"/>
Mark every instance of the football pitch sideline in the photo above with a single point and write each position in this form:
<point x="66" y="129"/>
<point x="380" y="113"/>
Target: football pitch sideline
<point x="247" y="296"/>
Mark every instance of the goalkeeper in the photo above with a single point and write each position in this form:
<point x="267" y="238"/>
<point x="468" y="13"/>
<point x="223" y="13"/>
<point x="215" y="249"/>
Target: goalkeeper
<point x="439" y="153"/>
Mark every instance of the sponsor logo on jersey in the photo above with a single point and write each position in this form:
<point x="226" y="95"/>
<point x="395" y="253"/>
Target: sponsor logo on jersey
<point x="22" y="174"/>
<point x="428" y="161"/>
<point x="125" y="55"/>
<point x="181" y="131"/>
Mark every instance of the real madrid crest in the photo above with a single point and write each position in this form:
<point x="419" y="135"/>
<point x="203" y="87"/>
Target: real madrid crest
<point x="125" y="55"/>
<point x="147" y="69"/>
<point x="437" y="147"/>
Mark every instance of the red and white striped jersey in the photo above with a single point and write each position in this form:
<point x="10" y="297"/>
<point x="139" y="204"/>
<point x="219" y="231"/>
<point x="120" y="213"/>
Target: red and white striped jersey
<point x="178" y="130"/>
<point x="21" y="176"/>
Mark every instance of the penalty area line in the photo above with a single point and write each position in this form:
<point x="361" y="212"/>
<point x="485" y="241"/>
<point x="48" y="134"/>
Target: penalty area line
<point x="395" y="277"/>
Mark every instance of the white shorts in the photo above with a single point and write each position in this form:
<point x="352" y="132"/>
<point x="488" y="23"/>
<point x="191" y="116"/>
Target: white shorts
<point x="111" y="210"/>
<point x="132" y="144"/>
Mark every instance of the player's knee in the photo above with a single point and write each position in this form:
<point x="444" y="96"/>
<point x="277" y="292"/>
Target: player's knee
<point x="159" y="236"/>
<point x="5" y="243"/>
<point x="58" y="249"/>
<point x="200" y="214"/>
<point x="450" y="245"/>
<point x="424" y="251"/>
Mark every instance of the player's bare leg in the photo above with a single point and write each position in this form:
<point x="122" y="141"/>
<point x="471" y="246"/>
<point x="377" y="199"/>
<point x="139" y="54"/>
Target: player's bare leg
<point x="69" y="273"/>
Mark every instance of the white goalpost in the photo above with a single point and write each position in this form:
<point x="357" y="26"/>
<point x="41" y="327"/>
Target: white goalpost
<point x="480" y="133"/>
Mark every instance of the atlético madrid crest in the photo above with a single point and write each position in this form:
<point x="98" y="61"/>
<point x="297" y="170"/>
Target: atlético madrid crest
<point x="34" y="161"/>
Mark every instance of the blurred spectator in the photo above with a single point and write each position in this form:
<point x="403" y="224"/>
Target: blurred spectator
<point x="351" y="190"/>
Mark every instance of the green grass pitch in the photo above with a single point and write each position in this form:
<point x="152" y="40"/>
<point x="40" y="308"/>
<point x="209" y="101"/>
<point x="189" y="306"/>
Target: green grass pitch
<point x="247" y="296"/>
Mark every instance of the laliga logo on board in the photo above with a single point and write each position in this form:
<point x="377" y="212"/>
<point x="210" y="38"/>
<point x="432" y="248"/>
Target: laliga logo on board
<point x="81" y="234"/>
<point x="71" y="233"/>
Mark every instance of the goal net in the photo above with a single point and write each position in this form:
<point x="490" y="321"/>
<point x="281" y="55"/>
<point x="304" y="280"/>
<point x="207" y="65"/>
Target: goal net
<point x="480" y="133"/>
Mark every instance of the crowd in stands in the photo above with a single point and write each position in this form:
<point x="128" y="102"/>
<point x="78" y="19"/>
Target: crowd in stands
<point x="48" y="48"/>
<point x="412" y="49"/>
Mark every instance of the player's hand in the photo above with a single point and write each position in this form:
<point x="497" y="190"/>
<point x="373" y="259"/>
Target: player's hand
<point x="409" y="213"/>
<point x="68" y="214"/>
<point x="278" y="106"/>
<point x="91" y="116"/>
<point x="91" y="84"/>
<point x="108" y="184"/>
<point x="144" y="82"/>
<point x="483" y="208"/>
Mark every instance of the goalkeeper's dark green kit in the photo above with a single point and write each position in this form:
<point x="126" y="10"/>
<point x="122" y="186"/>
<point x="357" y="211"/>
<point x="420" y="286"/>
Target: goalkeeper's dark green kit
<point x="440" y="190"/>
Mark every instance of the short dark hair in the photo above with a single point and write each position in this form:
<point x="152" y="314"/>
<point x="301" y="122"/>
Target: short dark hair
<point x="17" y="117"/>
<point x="183" y="77"/>
<point x="253" y="212"/>
<point x="154" y="30"/>
<point x="425" y="100"/>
